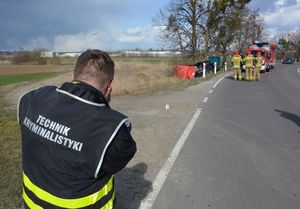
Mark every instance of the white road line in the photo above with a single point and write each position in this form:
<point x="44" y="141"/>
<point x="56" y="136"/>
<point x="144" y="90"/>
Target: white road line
<point x="161" y="177"/>
<point x="299" y="70"/>
<point x="163" y="173"/>
<point x="211" y="91"/>
<point x="216" y="84"/>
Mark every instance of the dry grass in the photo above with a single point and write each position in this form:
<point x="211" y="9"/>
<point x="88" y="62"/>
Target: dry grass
<point x="131" y="78"/>
<point x="147" y="77"/>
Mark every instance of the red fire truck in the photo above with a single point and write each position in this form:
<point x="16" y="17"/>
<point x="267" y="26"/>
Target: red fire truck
<point x="267" y="52"/>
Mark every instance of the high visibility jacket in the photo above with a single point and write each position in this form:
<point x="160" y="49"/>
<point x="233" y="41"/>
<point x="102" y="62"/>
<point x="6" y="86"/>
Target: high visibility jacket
<point x="258" y="61"/>
<point x="64" y="141"/>
<point x="236" y="61"/>
<point x="248" y="61"/>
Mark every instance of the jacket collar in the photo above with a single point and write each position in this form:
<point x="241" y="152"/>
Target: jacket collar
<point x="84" y="91"/>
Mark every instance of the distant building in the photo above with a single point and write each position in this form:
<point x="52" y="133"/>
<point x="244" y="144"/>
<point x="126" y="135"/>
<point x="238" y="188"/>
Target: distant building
<point x="127" y="53"/>
<point x="69" y="54"/>
<point x="60" y="54"/>
<point x="165" y="53"/>
<point x="47" y="54"/>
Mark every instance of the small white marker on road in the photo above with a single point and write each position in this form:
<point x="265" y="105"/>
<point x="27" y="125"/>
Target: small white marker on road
<point x="167" y="106"/>
<point x="211" y="91"/>
<point x="205" y="99"/>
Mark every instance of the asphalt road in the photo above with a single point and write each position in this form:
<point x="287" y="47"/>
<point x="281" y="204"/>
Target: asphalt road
<point x="244" y="150"/>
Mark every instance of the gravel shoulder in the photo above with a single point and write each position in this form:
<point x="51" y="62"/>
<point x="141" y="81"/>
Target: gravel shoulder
<point x="156" y="130"/>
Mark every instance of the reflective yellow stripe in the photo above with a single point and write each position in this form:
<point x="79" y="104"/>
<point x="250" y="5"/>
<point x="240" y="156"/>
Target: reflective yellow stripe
<point x="110" y="203"/>
<point x="68" y="203"/>
<point x="32" y="205"/>
<point x="75" y="82"/>
<point x="29" y="202"/>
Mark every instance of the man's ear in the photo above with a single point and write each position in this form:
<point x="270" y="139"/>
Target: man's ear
<point x="109" y="86"/>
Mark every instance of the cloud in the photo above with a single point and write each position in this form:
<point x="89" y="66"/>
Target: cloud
<point x="138" y="34"/>
<point x="73" y="24"/>
<point x="38" y="43"/>
<point x="76" y="42"/>
<point x="112" y="38"/>
<point x="280" y="3"/>
<point x="283" y="17"/>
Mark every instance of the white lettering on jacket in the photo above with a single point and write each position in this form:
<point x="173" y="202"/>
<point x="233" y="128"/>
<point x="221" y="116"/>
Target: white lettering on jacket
<point x="53" y="132"/>
<point x="54" y="126"/>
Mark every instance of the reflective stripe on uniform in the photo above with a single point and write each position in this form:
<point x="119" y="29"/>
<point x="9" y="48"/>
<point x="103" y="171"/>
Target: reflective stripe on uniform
<point x="249" y="61"/>
<point x="110" y="203"/>
<point x="80" y="99"/>
<point x="259" y="61"/>
<point x="29" y="202"/>
<point x="236" y="61"/>
<point x="67" y="203"/>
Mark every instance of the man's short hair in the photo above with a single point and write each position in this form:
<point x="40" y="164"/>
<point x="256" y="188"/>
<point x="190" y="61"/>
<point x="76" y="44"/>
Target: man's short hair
<point x="94" y="65"/>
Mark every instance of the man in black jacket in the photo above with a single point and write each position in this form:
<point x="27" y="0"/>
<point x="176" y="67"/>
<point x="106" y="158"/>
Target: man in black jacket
<point x="72" y="141"/>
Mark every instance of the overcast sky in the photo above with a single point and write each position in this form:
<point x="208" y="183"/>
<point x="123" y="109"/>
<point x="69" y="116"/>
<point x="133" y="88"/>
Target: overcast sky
<point x="75" y="25"/>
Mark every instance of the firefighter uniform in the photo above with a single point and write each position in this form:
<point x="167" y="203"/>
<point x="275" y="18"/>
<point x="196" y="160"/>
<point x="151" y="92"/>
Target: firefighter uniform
<point x="248" y="60"/>
<point x="236" y="62"/>
<point x="72" y="145"/>
<point x="258" y="64"/>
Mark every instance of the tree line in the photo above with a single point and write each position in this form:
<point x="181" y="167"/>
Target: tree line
<point x="202" y="27"/>
<point x="289" y="43"/>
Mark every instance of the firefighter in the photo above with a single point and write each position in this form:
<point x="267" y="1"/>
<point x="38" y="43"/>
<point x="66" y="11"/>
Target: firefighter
<point x="258" y="64"/>
<point x="248" y="60"/>
<point x="72" y="141"/>
<point x="236" y="62"/>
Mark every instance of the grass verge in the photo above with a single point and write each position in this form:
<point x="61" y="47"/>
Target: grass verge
<point x="10" y="163"/>
<point x="16" y="78"/>
<point x="10" y="144"/>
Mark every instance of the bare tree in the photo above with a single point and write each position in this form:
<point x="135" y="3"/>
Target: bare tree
<point x="295" y="43"/>
<point x="224" y="22"/>
<point x="188" y="25"/>
<point x="252" y="28"/>
<point x="289" y="43"/>
<point x="183" y="22"/>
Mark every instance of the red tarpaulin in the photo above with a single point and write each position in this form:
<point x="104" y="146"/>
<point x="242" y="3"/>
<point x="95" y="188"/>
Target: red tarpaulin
<point x="185" y="71"/>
